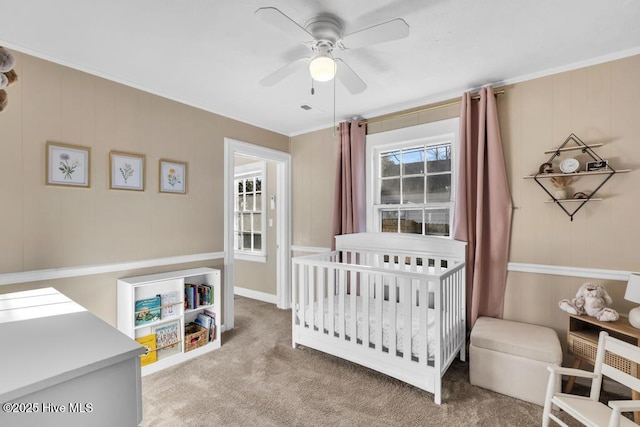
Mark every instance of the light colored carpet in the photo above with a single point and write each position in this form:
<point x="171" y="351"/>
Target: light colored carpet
<point x="257" y="379"/>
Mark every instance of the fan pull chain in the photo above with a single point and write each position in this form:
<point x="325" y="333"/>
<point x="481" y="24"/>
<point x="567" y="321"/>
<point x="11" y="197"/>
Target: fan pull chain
<point x="313" y="91"/>
<point x="334" y="107"/>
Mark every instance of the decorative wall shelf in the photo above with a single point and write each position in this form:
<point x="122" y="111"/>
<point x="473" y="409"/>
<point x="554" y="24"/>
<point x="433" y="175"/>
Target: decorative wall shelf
<point x="605" y="173"/>
<point x="573" y="200"/>
<point x="570" y="148"/>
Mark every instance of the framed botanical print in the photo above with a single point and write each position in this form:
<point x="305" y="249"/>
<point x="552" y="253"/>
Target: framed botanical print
<point x="173" y="176"/>
<point x="126" y="171"/>
<point x="68" y="165"/>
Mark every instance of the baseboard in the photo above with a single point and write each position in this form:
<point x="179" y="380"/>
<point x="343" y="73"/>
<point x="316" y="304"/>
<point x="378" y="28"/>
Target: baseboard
<point x="257" y="295"/>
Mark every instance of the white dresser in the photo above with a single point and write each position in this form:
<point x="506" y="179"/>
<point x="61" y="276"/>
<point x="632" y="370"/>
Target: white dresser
<point x="62" y="366"/>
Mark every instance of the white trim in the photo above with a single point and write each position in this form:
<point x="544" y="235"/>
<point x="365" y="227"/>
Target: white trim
<point x="257" y="295"/>
<point x="247" y="256"/>
<point x="88" y="270"/>
<point x="233" y="147"/>
<point x="312" y="249"/>
<point x="558" y="270"/>
<point x="609" y="57"/>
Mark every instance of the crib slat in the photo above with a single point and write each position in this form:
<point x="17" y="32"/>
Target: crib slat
<point x="311" y="296"/>
<point x="407" y="330"/>
<point x="365" y="280"/>
<point x="331" y="297"/>
<point x="446" y="284"/>
<point x="459" y="313"/>
<point x="320" y="298"/>
<point x="353" y="295"/>
<point x="452" y="315"/>
<point x="424" y="328"/>
<point x="462" y="313"/>
<point x="414" y="268"/>
<point x="294" y="297"/>
<point x="393" y="305"/>
<point x="438" y="265"/>
<point x="379" y="300"/>
<point x="341" y="295"/>
<point x="303" y="288"/>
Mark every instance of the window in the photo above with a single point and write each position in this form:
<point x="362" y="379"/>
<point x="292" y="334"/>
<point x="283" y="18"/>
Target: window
<point x="411" y="179"/>
<point x="249" y="220"/>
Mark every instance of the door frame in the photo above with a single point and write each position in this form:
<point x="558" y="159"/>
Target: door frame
<point x="233" y="147"/>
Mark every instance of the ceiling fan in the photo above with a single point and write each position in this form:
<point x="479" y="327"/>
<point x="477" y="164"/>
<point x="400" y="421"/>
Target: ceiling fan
<point x="322" y="34"/>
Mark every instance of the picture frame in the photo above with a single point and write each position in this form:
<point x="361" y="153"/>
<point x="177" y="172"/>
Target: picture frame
<point x="597" y="165"/>
<point x="172" y="176"/>
<point x="68" y="165"/>
<point x="126" y="171"/>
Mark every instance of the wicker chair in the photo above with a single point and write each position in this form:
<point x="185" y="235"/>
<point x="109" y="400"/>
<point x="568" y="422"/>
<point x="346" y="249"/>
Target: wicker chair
<point x="589" y="410"/>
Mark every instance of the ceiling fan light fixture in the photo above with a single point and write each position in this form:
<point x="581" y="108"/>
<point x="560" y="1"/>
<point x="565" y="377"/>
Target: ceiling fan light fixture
<point x="322" y="68"/>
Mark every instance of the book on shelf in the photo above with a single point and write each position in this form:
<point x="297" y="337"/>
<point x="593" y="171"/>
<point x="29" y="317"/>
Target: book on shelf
<point x="205" y="295"/>
<point x="212" y="328"/>
<point x="149" y="343"/>
<point x="197" y="295"/>
<point x="167" y="339"/>
<point x="147" y="310"/>
<point x="169" y="301"/>
<point x="190" y="300"/>
<point x="204" y="321"/>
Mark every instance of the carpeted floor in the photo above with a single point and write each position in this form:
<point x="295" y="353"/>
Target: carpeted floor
<point x="257" y="379"/>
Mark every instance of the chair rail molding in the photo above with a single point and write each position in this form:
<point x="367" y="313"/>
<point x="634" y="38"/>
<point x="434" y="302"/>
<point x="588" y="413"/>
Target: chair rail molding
<point x="88" y="270"/>
<point x="559" y="270"/>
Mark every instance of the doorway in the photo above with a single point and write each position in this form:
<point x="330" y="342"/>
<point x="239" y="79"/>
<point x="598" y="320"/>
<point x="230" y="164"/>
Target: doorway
<point x="282" y="204"/>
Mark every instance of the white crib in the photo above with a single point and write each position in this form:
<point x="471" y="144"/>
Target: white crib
<point x="372" y="284"/>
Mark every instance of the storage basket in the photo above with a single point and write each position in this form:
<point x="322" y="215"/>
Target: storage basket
<point x="586" y="349"/>
<point x="194" y="336"/>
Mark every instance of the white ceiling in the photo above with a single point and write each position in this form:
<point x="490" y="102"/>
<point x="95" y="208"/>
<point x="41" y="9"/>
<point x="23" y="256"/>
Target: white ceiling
<point x="211" y="54"/>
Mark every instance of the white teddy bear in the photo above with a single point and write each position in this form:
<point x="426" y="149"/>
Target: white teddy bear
<point x="592" y="300"/>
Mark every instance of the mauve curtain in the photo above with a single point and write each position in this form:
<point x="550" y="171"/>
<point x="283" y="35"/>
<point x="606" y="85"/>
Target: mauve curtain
<point x="349" y="197"/>
<point x="483" y="207"/>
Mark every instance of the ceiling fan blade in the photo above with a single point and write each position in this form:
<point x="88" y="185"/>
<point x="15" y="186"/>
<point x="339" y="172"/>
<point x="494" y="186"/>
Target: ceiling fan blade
<point x="387" y="31"/>
<point x="349" y="78"/>
<point x="274" y="17"/>
<point x="283" y="72"/>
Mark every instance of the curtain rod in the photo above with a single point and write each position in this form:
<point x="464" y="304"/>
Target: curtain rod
<point x="421" y="110"/>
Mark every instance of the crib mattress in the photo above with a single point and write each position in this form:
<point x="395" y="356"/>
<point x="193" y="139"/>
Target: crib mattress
<point x="400" y="323"/>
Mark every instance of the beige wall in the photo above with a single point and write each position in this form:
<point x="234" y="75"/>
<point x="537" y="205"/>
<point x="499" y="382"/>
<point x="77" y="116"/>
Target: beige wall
<point x="262" y="276"/>
<point x="44" y="227"/>
<point x="600" y="104"/>
<point x="312" y="186"/>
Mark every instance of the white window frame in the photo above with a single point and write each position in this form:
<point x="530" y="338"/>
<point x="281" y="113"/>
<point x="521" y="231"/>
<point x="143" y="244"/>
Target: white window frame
<point x="243" y="171"/>
<point x="425" y="134"/>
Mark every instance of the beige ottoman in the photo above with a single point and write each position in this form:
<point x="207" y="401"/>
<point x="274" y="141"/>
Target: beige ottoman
<point x="512" y="358"/>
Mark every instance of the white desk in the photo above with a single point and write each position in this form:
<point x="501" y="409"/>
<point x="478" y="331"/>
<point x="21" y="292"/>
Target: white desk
<point x="62" y="366"/>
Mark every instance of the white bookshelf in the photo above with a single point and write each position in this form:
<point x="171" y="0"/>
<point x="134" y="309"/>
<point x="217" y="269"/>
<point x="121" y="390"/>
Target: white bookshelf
<point x="132" y="289"/>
